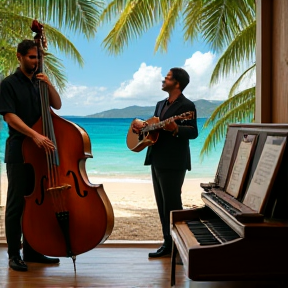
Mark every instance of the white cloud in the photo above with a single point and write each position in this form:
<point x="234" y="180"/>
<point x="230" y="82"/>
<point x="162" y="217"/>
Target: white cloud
<point x="146" y="83"/>
<point x="83" y="100"/>
<point x="199" y="63"/>
<point x="200" y="67"/>
<point x="144" y="88"/>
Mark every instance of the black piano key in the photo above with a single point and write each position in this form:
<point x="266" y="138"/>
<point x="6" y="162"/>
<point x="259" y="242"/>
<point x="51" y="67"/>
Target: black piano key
<point x="208" y="231"/>
<point x="202" y="233"/>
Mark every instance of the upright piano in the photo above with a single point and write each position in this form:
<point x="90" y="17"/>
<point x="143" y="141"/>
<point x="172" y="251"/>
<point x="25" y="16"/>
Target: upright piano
<point x="241" y="232"/>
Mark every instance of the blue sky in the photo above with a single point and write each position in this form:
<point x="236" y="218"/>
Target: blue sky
<point x="134" y="76"/>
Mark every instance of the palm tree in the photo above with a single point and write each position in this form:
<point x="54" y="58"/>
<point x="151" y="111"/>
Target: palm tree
<point x="16" y="17"/>
<point x="228" y="26"/>
<point x="240" y="105"/>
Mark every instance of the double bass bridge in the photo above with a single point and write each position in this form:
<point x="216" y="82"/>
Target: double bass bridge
<point x="59" y="188"/>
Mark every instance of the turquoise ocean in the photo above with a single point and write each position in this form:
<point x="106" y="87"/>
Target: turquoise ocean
<point x="112" y="159"/>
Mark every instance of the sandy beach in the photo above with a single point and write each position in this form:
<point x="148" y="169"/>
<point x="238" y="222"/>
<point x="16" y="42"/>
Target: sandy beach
<point x="135" y="210"/>
<point x="134" y="206"/>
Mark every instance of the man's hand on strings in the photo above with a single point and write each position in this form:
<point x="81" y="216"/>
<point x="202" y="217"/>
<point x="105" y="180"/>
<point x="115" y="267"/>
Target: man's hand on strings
<point x="171" y="126"/>
<point x="43" y="77"/>
<point x="137" y="125"/>
<point x="44" y="142"/>
<point x="54" y="97"/>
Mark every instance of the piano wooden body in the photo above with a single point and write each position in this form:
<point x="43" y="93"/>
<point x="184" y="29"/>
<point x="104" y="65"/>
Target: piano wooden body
<point x="227" y="240"/>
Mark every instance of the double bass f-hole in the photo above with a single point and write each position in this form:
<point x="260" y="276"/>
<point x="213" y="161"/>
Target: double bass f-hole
<point x="42" y="192"/>
<point x="61" y="188"/>
<point x="77" y="184"/>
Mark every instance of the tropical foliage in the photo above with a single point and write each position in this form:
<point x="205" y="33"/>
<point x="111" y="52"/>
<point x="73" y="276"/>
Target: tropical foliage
<point x="58" y="17"/>
<point x="229" y="27"/>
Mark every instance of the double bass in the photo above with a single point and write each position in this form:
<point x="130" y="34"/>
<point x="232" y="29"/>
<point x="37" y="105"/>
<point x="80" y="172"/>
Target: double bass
<point x="65" y="215"/>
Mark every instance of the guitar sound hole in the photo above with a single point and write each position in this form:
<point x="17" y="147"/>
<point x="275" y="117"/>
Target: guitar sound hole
<point x="140" y="137"/>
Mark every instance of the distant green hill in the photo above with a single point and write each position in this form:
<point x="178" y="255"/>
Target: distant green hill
<point x="204" y="110"/>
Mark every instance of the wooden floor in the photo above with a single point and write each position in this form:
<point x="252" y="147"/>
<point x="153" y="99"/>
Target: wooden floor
<point x="110" y="265"/>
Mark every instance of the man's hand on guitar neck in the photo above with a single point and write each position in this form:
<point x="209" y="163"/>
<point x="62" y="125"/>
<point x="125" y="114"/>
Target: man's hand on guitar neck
<point x="137" y="125"/>
<point x="172" y="127"/>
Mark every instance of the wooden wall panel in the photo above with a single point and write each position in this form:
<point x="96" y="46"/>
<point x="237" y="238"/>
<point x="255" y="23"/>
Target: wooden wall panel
<point x="271" y="61"/>
<point x="280" y="62"/>
<point x="263" y="61"/>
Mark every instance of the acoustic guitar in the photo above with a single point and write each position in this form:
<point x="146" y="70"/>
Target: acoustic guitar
<point x="149" y="134"/>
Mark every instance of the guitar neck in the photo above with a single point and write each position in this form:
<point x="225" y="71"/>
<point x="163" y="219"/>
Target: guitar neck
<point x="159" y="125"/>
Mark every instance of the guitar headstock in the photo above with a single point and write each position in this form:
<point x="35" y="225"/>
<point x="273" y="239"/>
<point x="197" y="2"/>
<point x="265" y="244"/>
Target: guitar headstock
<point x="187" y="115"/>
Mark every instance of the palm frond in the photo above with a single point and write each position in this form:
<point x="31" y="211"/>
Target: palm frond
<point x="16" y="17"/>
<point x="170" y="19"/>
<point x="76" y="16"/>
<point x="14" y="26"/>
<point x="8" y="60"/>
<point x="131" y="23"/>
<point x="55" y="71"/>
<point x="192" y="19"/>
<point x="222" y="20"/>
<point x="240" y="79"/>
<point x="114" y="8"/>
<point x="241" y="49"/>
<point x="229" y="105"/>
<point x="54" y="36"/>
<point x="248" y="10"/>
<point x="241" y="113"/>
<point x="61" y="43"/>
<point x="52" y="66"/>
<point x="12" y="37"/>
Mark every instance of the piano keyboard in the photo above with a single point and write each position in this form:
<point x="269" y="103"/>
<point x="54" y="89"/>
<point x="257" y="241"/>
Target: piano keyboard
<point x="212" y="231"/>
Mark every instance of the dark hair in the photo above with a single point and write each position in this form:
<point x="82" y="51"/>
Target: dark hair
<point x="24" y="46"/>
<point x="181" y="76"/>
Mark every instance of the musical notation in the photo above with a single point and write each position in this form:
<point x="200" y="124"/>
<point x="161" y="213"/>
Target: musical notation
<point x="240" y="166"/>
<point x="265" y="171"/>
<point x="220" y="177"/>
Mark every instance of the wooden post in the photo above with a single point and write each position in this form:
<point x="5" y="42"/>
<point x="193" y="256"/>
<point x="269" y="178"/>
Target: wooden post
<point x="271" y="61"/>
<point x="263" y="61"/>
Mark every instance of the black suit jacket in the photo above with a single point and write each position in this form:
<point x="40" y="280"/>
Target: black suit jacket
<point x="173" y="152"/>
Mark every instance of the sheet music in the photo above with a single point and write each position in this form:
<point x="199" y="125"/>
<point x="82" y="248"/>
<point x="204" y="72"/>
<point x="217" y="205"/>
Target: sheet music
<point x="222" y="171"/>
<point x="240" y="166"/>
<point x="265" y="170"/>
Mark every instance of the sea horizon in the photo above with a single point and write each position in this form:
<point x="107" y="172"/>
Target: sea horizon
<point x="113" y="161"/>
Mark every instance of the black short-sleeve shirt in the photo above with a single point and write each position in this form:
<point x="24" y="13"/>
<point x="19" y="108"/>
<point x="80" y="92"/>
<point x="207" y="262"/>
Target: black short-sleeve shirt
<point x="19" y="95"/>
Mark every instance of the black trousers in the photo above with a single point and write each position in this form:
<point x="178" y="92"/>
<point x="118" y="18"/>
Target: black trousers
<point x="167" y="185"/>
<point x="20" y="183"/>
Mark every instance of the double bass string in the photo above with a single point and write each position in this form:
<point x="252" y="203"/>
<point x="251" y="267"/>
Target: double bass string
<point x="52" y="157"/>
